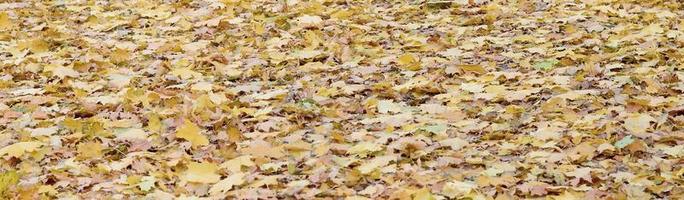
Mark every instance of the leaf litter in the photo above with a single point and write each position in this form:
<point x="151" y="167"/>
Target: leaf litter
<point x="223" y="99"/>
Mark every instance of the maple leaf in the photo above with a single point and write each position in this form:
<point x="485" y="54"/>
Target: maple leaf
<point x="409" y="61"/>
<point x="37" y="45"/>
<point x="147" y="183"/>
<point x="185" y="73"/>
<point x="18" y="149"/>
<point x="315" y="67"/>
<point x="308" y="20"/>
<point x="203" y="172"/>
<point x="423" y="194"/>
<point x="235" y="164"/>
<point x="89" y="150"/>
<point x="263" y="148"/>
<point x="435" y="129"/>
<point x="622" y="143"/>
<point x="546" y="133"/>
<point x="454" y="143"/>
<point x="457" y="188"/>
<point x="63" y="72"/>
<point x="375" y="163"/>
<point x="120" y="55"/>
<point x="295" y="186"/>
<point x="7" y="180"/>
<point x="638" y="124"/>
<point x="43" y="131"/>
<point x="190" y="132"/>
<point x="227" y="184"/>
<point x="195" y="46"/>
<point x="131" y="133"/>
<point x="676" y="151"/>
<point x="306" y="54"/>
<point x="364" y="148"/>
<point x="546" y="64"/>
<point x="5" y="21"/>
<point x="387" y="106"/>
<point x="472" y="87"/>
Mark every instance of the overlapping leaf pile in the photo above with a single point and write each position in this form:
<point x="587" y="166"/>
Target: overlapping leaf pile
<point x="576" y="99"/>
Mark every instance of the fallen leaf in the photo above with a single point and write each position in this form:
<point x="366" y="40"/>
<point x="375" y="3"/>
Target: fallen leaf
<point x="376" y="163"/>
<point x="191" y="132"/>
<point x="227" y="184"/>
<point x="622" y="143"/>
<point x="638" y="124"/>
<point x="203" y="172"/>
<point x="18" y="149"/>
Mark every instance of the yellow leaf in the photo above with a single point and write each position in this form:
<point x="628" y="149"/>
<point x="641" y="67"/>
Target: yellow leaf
<point x="423" y="194"/>
<point x="195" y="46"/>
<point x="458" y="189"/>
<point x="7" y="179"/>
<point x="5" y="22"/>
<point x="63" y="72"/>
<point x="407" y="59"/>
<point x="676" y="151"/>
<point x="455" y="143"/>
<point x="375" y="163"/>
<point x="131" y="133"/>
<point x="89" y="150"/>
<point x="37" y="45"/>
<point x="263" y="148"/>
<point x="312" y="39"/>
<point x="315" y="67"/>
<point x="364" y="148"/>
<point x="473" y="68"/>
<point x="638" y="123"/>
<point x="74" y="125"/>
<point x="43" y="131"/>
<point x="202" y="86"/>
<point x="235" y="164"/>
<point x="306" y="54"/>
<point x="259" y="28"/>
<point x="308" y="20"/>
<point x="567" y="195"/>
<point x="120" y="55"/>
<point x="387" y="106"/>
<point x="47" y="189"/>
<point x="356" y="198"/>
<point x="472" y="87"/>
<point x="342" y="14"/>
<point x="652" y="29"/>
<point x="18" y="149"/>
<point x="185" y="73"/>
<point x="234" y="134"/>
<point x="227" y="184"/>
<point x="154" y="123"/>
<point x="547" y="133"/>
<point x="203" y="172"/>
<point x="190" y="132"/>
<point x="409" y="63"/>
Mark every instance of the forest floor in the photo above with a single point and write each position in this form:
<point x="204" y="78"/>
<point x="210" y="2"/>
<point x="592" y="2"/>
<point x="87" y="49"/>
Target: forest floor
<point x="335" y="99"/>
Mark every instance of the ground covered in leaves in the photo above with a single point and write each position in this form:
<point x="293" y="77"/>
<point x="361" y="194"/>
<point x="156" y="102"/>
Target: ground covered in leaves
<point x="334" y="99"/>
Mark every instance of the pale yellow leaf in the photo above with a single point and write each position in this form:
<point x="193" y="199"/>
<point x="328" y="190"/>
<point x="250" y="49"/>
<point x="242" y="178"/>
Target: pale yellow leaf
<point x="190" y="132"/>
<point x="203" y="172"/>
<point x="18" y="149"/>
<point x="227" y="184"/>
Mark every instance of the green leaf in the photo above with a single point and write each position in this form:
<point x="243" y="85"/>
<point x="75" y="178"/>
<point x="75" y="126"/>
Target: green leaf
<point x="622" y="143"/>
<point x="7" y="180"/>
<point x="147" y="183"/>
<point x="423" y="194"/>
<point x="546" y="64"/>
<point x="435" y="129"/>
